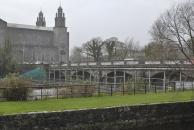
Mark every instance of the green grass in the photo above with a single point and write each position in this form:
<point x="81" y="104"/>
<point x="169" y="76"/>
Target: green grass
<point x="92" y="102"/>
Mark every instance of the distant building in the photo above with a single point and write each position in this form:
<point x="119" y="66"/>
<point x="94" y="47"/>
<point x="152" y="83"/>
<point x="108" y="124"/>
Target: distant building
<point x="32" y="44"/>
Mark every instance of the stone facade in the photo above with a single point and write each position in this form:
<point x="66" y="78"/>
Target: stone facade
<point x="32" y="44"/>
<point x="169" y="116"/>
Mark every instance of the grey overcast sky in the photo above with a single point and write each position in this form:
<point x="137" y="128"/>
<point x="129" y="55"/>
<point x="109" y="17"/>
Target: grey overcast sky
<point x="86" y="19"/>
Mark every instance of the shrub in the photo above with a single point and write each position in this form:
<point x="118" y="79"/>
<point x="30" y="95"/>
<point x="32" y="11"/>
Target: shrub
<point x="16" y="88"/>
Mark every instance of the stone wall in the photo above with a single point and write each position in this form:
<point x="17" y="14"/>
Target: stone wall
<point x="32" y="45"/>
<point x="169" y="116"/>
<point x="3" y="26"/>
<point x="31" y="54"/>
<point x="30" y="37"/>
<point x="61" y="40"/>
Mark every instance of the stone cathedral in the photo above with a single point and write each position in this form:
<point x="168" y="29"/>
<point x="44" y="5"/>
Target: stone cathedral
<point x="38" y="44"/>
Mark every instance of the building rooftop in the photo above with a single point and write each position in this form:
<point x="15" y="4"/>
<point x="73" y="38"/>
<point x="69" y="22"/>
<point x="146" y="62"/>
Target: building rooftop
<point x="23" y="26"/>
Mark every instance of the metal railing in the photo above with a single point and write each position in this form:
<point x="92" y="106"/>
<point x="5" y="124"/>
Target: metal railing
<point x="44" y="91"/>
<point x="142" y="88"/>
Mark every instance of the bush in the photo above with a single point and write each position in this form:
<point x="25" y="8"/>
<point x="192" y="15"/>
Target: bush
<point x="16" y="88"/>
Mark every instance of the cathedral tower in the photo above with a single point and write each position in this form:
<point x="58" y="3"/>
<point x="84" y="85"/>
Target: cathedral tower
<point x="61" y="36"/>
<point x="60" y="18"/>
<point x="41" y="20"/>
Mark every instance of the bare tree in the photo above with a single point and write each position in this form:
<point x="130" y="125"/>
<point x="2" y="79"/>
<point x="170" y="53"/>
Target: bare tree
<point x="93" y="48"/>
<point x="133" y="47"/>
<point x="76" y="55"/>
<point x="176" y="27"/>
<point x="111" y="48"/>
<point x="128" y="49"/>
<point x="121" y="51"/>
<point x="159" y="51"/>
<point x="110" y="45"/>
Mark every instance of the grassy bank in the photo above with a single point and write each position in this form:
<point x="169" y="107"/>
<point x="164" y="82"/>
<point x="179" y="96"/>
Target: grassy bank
<point x="92" y="102"/>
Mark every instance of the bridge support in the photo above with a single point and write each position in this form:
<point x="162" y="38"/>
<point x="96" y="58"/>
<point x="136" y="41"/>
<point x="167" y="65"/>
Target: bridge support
<point x="59" y="73"/>
<point x="115" y="78"/>
<point x="124" y="76"/>
<point x="164" y="81"/>
<point x="149" y="80"/>
<point x="83" y="75"/>
<point x="49" y="75"/>
<point x="106" y="78"/>
<point x="54" y="75"/>
<point x="90" y="76"/>
<point x="70" y="76"/>
<point x="65" y="75"/>
<point x="181" y="85"/>
<point x="98" y="80"/>
<point x="135" y="77"/>
<point x="76" y="76"/>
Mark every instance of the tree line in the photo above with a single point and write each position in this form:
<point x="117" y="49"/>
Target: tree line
<point x="110" y="49"/>
<point x="172" y="39"/>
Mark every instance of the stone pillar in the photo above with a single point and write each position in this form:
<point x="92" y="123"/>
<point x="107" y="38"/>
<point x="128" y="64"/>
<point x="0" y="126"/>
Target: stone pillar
<point x="90" y="76"/>
<point x="76" y="77"/>
<point x="54" y="74"/>
<point x="115" y="78"/>
<point x="149" y="79"/>
<point x="124" y="82"/>
<point x="135" y="77"/>
<point x="164" y="81"/>
<point x="106" y="79"/>
<point x="83" y="75"/>
<point x="124" y="76"/>
<point x="98" y="81"/>
<point x="180" y="80"/>
<point x="65" y="75"/>
<point x="49" y="74"/>
<point x="70" y="75"/>
<point x="60" y="73"/>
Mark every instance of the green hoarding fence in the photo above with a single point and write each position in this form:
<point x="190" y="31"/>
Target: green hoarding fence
<point x="35" y="74"/>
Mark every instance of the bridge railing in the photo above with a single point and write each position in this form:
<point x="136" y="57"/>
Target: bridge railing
<point x="130" y="62"/>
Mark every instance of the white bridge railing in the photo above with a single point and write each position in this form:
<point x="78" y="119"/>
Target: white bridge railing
<point x="130" y="62"/>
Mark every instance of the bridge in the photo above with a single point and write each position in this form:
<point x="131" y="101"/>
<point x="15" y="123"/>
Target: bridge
<point x="160" y="72"/>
